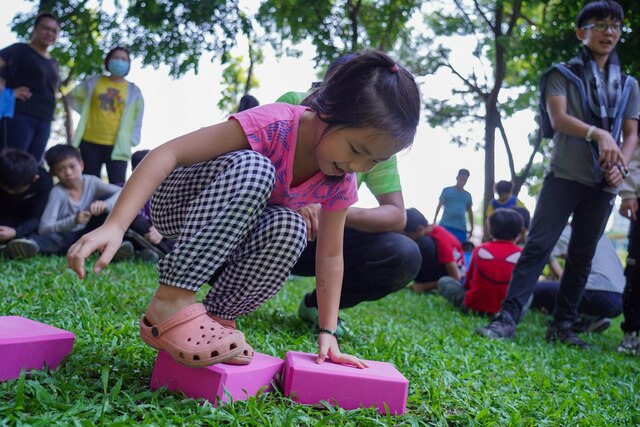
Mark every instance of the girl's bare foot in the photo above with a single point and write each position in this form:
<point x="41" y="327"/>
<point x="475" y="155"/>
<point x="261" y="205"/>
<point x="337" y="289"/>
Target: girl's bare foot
<point x="229" y="324"/>
<point x="167" y="301"/>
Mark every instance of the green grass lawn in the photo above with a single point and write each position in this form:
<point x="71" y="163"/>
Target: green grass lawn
<point x="456" y="378"/>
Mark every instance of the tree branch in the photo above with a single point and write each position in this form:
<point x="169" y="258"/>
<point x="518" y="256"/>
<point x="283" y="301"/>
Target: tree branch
<point x="507" y="147"/>
<point x="472" y="87"/>
<point x="483" y="16"/>
<point x="525" y="173"/>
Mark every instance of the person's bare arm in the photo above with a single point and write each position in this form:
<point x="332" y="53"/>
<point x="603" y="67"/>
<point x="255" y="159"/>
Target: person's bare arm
<point x="452" y="270"/>
<point x="389" y="216"/>
<point x="435" y="217"/>
<point x="569" y="125"/>
<point x="201" y="145"/>
<point x="556" y="268"/>
<point x="470" y="214"/>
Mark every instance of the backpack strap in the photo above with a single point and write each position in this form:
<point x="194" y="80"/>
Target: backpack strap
<point x="619" y="110"/>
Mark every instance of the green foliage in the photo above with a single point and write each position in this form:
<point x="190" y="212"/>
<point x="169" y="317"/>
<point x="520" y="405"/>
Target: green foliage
<point x="456" y="378"/>
<point x="86" y="35"/>
<point x="177" y="33"/>
<point x="336" y="27"/>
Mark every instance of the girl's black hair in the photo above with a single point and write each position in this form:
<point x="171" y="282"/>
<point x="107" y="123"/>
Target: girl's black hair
<point x="599" y="10"/>
<point x="369" y="90"/>
<point x="505" y="224"/>
<point x="110" y="54"/>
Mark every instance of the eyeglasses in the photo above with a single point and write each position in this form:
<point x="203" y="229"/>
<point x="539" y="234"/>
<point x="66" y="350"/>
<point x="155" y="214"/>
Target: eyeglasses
<point x="601" y="27"/>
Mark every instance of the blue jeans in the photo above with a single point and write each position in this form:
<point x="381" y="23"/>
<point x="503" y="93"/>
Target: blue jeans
<point x="27" y="133"/>
<point x="593" y="303"/>
<point x="631" y="295"/>
<point x="559" y="199"/>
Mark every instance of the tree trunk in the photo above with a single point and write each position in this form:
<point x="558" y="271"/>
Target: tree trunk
<point x="68" y="120"/>
<point x="491" y="123"/>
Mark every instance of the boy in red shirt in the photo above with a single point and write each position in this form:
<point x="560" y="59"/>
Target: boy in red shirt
<point x="490" y="268"/>
<point x="442" y="253"/>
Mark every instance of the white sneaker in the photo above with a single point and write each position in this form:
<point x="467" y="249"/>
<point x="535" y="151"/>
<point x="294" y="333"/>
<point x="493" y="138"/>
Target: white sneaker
<point x="630" y="344"/>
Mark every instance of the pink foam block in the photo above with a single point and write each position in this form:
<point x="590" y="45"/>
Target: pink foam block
<point x="308" y="383"/>
<point x="211" y="382"/>
<point x="27" y="344"/>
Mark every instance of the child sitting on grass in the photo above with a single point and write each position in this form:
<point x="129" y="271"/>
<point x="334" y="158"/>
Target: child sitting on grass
<point x="24" y="189"/>
<point x="75" y="206"/>
<point x="441" y="251"/>
<point x="490" y="269"/>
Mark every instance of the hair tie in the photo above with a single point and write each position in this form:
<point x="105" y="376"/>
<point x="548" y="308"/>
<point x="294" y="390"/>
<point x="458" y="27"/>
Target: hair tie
<point x="395" y="68"/>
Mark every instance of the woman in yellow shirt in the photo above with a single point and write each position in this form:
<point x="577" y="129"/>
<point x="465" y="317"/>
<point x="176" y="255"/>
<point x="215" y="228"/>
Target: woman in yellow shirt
<point x="111" y="110"/>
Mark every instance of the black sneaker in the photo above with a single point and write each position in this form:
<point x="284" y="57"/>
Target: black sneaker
<point x="22" y="248"/>
<point x="591" y="324"/>
<point x="124" y="253"/>
<point x="563" y="332"/>
<point x="136" y="238"/>
<point x="502" y="326"/>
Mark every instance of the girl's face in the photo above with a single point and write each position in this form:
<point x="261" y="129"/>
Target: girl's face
<point x="46" y="32"/>
<point x="347" y="150"/>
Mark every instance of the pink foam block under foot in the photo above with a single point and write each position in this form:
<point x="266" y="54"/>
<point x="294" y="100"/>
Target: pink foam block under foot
<point x="211" y="382"/>
<point x="27" y="344"/>
<point x="308" y="383"/>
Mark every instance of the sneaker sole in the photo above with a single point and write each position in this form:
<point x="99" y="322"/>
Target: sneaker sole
<point x="491" y="335"/>
<point x="22" y="250"/>
<point x="599" y="326"/>
<point x="125" y="252"/>
<point x="140" y="240"/>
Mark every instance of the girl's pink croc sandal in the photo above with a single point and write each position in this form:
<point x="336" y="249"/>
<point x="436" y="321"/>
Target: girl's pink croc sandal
<point x="193" y="339"/>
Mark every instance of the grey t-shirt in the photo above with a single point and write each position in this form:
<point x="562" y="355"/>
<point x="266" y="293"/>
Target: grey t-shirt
<point x="606" y="273"/>
<point x="59" y="215"/>
<point x="571" y="157"/>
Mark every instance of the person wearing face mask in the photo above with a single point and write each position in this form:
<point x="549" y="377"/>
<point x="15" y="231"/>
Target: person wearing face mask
<point x="29" y="79"/>
<point x="111" y="110"/>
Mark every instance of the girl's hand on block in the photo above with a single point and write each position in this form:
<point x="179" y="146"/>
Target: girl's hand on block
<point x="105" y="239"/>
<point x="328" y="347"/>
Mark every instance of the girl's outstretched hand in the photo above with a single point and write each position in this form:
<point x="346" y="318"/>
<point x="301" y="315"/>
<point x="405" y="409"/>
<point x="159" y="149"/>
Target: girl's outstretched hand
<point x="328" y="347"/>
<point x="105" y="239"/>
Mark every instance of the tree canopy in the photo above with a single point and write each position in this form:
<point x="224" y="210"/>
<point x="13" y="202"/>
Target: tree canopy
<point x="510" y="42"/>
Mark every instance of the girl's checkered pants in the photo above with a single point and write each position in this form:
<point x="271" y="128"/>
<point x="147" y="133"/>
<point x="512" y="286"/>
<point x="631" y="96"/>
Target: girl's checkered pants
<point x="226" y="233"/>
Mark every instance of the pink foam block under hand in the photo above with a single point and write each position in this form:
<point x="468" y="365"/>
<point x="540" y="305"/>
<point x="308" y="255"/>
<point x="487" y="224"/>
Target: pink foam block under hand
<point x="212" y="382"/>
<point x="27" y="344"/>
<point x="381" y="383"/>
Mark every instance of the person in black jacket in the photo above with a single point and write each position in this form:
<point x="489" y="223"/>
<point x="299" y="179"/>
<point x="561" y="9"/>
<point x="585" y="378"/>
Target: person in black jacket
<point x="24" y="189"/>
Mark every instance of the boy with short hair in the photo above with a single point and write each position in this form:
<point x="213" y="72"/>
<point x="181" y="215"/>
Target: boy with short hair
<point x="442" y="253"/>
<point x="505" y="199"/>
<point x="24" y="189"/>
<point x="456" y="201"/>
<point x="490" y="268"/>
<point x="75" y="206"/>
<point x="586" y="168"/>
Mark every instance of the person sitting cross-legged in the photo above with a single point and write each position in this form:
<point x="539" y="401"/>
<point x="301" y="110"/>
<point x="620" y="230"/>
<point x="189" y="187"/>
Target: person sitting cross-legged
<point x="490" y="268"/>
